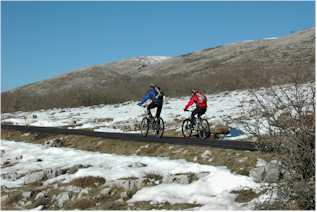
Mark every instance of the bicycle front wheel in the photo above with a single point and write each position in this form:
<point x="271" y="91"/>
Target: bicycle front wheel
<point x="145" y="126"/>
<point x="187" y="128"/>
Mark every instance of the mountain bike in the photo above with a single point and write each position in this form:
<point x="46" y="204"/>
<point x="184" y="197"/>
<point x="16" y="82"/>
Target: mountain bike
<point x="200" y="128"/>
<point x="152" y="125"/>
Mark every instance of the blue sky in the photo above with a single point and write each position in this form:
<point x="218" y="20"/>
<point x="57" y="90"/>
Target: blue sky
<point x="41" y="40"/>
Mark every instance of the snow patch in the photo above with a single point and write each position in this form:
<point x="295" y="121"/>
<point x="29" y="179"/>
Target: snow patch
<point x="149" y="60"/>
<point x="225" y="107"/>
<point x="270" y="38"/>
<point x="212" y="190"/>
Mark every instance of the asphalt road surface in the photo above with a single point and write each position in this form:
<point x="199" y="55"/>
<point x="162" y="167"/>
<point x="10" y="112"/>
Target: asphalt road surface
<point x="238" y="145"/>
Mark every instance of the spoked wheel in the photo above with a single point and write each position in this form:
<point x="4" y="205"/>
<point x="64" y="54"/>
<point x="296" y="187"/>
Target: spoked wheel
<point x="204" y="129"/>
<point x="159" y="128"/>
<point x="145" y="126"/>
<point x="186" y="128"/>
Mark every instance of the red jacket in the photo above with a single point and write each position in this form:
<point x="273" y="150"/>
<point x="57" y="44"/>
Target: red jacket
<point x="199" y="98"/>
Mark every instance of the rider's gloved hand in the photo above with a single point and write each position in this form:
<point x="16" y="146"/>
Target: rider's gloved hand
<point x="185" y="109"/>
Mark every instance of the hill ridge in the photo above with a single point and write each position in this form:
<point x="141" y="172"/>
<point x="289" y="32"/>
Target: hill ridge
<point x="223" y="67"/>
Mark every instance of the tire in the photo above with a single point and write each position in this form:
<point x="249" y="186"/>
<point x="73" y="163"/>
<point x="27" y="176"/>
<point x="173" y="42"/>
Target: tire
<point x="144" y="126"/>
<point x="160" y="131"/>
<point x="205" y="129"/>
<point x="186" y="129"/>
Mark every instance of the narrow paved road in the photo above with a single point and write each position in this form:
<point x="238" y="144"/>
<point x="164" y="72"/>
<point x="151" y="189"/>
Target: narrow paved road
<point x="238" y="145"/>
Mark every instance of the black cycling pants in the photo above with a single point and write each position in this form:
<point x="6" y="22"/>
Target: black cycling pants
<point x="198" y="111"/>
<point x="158" y="110"/>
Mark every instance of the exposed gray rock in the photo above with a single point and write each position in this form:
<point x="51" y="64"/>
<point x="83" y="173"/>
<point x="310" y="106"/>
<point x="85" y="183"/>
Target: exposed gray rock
<point x="258" y="174"/>
<point x="11" y="176"/>
<point x="131" y="125"/>
<point x="34" y="177"/>
<point x="62" y="198"/>
<point x="53" y="172"/>
<point x="7" y="162"/>
<point x="182" y="178"/>
<point x="137" y="165"/>
<point x="266" y="172"/>
<point x="57" y="142"/>
<point x="20" y="203"/>
<point x="105" y="191"/>
<point x="40" y="195"/>
<point x="28" y="203"/>
<point x="73" y="189"/>
<point x="206" y="155"/>
<point x="202" y="174"/>
<point x="2" y="152"/>
<point x="241" y="160"/>
<point x="42" y="199"/>
<point x="26" y="194"/>
<point x="124" y="195"/>
<point x="44" y="174"/>
<point x="272" y="172"/>
<point x="75" y="168"/>
<point x="40" y="207"/>
<point x="83" y="192"/>
<point x="130" y="183"/>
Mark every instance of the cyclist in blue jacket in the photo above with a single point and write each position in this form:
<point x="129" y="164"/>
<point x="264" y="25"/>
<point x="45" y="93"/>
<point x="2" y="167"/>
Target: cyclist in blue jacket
<point x="153" y="98"/>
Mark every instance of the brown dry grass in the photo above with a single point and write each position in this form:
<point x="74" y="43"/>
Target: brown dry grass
<point x="245" y="195"/>
<point x="89" y="181"/>
<point x="11" y="201"/>
<point x="82" y="204"/>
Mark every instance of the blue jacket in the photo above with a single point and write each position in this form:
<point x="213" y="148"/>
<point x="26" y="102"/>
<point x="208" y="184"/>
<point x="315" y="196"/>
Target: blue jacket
<point x="151" y="94"/>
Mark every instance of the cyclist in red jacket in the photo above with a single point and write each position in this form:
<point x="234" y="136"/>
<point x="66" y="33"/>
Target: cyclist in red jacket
<point x="201" y="104"/>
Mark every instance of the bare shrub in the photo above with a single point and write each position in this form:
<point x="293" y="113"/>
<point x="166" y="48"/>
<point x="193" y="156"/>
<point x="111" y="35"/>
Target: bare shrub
<point x="283" y="119"/>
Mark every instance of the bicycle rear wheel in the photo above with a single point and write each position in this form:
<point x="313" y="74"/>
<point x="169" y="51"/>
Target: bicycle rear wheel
<point x="187" y="128"/>
<point x="205" y="129"/>
<point x="145" y="126"/>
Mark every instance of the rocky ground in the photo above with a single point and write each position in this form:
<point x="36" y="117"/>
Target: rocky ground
<point x="91" y="192"/>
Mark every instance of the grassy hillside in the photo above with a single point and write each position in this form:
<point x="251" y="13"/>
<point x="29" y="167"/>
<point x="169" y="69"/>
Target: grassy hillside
<point x="228" y="67"/>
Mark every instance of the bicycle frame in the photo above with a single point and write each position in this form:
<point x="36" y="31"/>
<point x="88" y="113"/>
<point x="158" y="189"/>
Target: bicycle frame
<point x="198" y="118"/>
<point x="199" y="126"/>
<point x="153" y="123"/>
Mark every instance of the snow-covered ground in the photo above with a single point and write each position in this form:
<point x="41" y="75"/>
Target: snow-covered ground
<point x="224" y="107"/>
<point x="221" y="106"/>
<point x="212" y="190"/>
